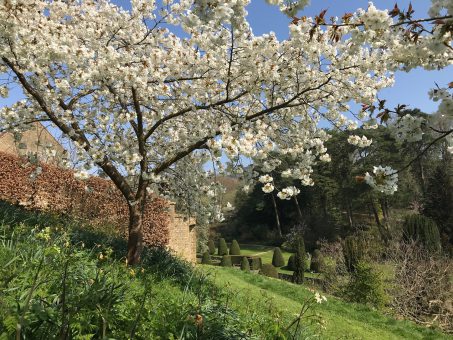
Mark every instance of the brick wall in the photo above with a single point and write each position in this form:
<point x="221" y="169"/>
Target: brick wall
<point x="95" y="200"/>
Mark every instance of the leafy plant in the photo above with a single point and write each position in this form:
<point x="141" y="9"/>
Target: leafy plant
<point x="317" y="261"/>
<point x="299" y="262"/>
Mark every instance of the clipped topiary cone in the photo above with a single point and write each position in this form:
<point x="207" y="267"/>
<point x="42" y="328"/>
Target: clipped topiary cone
<point x="206" y="259"/>
<point x="223" y="248"/>
<point x="226" y="261"/>
<point x="211" y="247"/>
<point x="234" y="248"/>
<point x="245" y="265"/>
<point x="277" y="258"/>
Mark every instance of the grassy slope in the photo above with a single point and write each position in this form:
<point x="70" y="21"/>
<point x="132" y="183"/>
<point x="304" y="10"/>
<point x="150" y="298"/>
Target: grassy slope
<point x="343" y="320"/>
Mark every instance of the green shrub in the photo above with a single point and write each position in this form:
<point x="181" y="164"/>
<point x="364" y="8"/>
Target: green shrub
<point x="317" y="261"/>
<point x="223" y="248"/>
<point x="269" y="270"/>
<point x="353" y="251"/>
<point x="299" y="261"/>
<point x="245" y="265"/>
<point x="366" y="286"/>
<point x="234" y="248"/>
<point x="226" y="261"/>
<point x="206" y="259"/>
<point x="256" y="263"/>
<point x="423" y="230"/>
<point x="211" y="247"/>
<point x="277" y="258"/>
<point x="291" y="262"/>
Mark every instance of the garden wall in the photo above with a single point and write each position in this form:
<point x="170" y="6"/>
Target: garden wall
<point x="95" y="200"/>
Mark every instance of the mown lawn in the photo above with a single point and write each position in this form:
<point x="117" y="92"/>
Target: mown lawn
<point x="342" y="320"/>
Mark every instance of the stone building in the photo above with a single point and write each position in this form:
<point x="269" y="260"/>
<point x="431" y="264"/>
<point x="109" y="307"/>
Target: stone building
<point x="37" y="141"/>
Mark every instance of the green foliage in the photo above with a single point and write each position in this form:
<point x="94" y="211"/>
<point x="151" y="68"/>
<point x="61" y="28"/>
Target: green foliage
<point x="422" y="229"/>
<point x="269" y="270"/>
<point x="353" y="251"/>
<point x="223" y="248"/>
<point x="234" y="248"/>
<point x="317" y="261"/>
<point x="226" y="261"/>
<point x="256" y="263"/>
<point x="291" y="262"/>
<point x="211" y="247"/>
<point x="69" y="284"/>
<point x="366" y="286"/>
<point x="206" y="259"/>
<point x="245" y="265"/>
<point x="299" y="261"/>
<point x="277" y="258"/>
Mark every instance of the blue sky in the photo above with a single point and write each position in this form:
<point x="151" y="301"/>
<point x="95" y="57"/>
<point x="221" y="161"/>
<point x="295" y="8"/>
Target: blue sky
<point x="410" y="88"/>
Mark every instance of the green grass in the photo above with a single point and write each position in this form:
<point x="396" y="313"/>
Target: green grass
<point x="342" y="320"/>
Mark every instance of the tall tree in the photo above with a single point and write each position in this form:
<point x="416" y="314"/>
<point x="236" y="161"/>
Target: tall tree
<point x="135" y="99"/>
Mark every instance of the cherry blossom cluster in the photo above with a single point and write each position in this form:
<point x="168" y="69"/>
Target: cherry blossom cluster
<point x="361" y="142"/>
<point x="288" y="192"/>
<point x="383" y="179"/>
<point x="408" y="128"/>
<point x="136" y="100"/>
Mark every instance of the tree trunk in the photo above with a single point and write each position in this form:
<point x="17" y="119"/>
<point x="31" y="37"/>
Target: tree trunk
<point x="349" y="211"/>
<point x="299" y="211"/>
<point x="135" y="239"/>
<point x="277" y="218"/>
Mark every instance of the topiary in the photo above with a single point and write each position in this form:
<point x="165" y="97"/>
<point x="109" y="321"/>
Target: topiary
<point x="256" y="263"/>
<point x="277" y="258"/>
<point x="234" y="248"/>
<point x="317" y="261"/>
<point x="299" y="261"/>
<point x="211" y="247"/>
<point x="353" y="252"/>
<point x="291" y="262"/>
<point x="422" y="229"/>
<point x="223" y="248"/>
<point x="206" y="259"/>
<point x="245" y="265"/>
<point x="226" y="261"/>
<point x="269" y="270"/>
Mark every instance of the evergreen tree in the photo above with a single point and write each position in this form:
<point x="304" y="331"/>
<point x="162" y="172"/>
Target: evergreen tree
<point x="299" y="261"/>
<point x="424" y="230"/>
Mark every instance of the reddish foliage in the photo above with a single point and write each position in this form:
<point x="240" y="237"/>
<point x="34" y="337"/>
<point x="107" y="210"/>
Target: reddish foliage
<point x="95" y="200"/>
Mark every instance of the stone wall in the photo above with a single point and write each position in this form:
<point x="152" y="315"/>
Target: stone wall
<point x="182" y="235"/>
